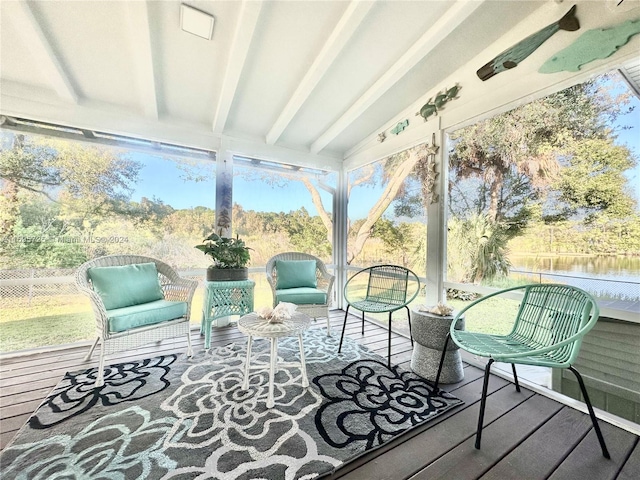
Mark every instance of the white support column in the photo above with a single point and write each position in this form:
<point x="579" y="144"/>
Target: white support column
<point x="437" y="229"/>
<point x="224" y="191"/>
<point x="340" y="232"/>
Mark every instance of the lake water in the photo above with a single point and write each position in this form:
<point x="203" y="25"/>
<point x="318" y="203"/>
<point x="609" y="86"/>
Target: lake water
<point x="616" y="277"/>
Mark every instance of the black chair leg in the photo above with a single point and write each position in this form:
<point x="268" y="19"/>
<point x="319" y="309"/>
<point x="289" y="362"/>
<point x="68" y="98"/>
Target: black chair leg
<point x="444" y="352"/>
<point x="483" y="402"/>
<point x="363" y="323"/>
<point x="594" y="420"/>
<point x="409" y="318"/>
<point x="344" y="326"/>
<point x="515" y="377"/>
<point x="389" y="348"/>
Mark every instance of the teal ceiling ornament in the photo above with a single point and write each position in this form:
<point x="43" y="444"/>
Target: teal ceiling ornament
<point x="591" y="45"/>
<point x="400" y="127"/>
<point x="434" y="104"/>
<point x="513" y="56"/>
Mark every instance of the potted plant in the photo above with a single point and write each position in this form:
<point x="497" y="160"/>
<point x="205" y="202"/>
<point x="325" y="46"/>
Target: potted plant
<point x="230" y="257"/>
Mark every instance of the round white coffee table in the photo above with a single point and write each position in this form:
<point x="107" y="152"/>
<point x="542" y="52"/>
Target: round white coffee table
<point x="254" y="326"/>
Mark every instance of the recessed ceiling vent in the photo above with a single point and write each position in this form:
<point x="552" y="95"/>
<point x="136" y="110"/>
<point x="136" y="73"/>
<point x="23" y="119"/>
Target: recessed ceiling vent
<point x="196" y="22"/>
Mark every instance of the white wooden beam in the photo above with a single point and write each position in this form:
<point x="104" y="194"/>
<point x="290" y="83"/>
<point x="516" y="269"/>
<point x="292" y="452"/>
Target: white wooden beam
<point x="45" y="58"/>
<point x="446" y="24"/>
<point x="140" y="32"/>
<point x="249" y="14"/>
<point x="338" y="38"/>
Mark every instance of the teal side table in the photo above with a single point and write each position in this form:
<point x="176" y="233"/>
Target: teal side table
<point x="223" y="299"/>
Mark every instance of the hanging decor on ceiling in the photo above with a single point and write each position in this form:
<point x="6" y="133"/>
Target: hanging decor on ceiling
<point x="382" y="137"/>
<point x="434" y="104"/>
<point x="399" y="128"/>
<point x="511" y="57"/>
<point x="591" y="45"/>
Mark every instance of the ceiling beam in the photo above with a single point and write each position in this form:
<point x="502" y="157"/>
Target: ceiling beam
<point x="140" y="32"/>
<point x="248" y="19"/>
<point x="344" y="29"/>
<point x="44" y="57"/>
<point x="446" y="24"/>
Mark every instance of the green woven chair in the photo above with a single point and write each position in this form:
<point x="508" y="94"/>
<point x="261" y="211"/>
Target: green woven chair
<point x="548" y="330"/>
<point x="380" y="289"/>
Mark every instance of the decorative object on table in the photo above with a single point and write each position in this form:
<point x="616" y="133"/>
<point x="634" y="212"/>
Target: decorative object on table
<point x="399" y="128"/>
<point x="143" y="420"/>
<point x="441" y="309"/>
<point x="429" y="334"/>
<point x="591" y="45"/>
<point x="279" y="313"/>
<point x="511" y="57"/>
<point x="434" y="104"/>
<point x="302" y="279"/>
<point x="547" y="331"/>
<point x="222" y="300"/>
<point x="380" y="289"/>
<point x="230" y="257"/>
<point x="382" y="137"/>
<point x="136" y="300"/>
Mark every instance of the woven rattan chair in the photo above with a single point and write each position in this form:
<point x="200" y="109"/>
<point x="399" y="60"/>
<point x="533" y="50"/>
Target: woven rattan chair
<point x="547" y="331"/>
<point x="381" y="289"/>
<point x="323" y="279"/>
<point x="174" y="288"/>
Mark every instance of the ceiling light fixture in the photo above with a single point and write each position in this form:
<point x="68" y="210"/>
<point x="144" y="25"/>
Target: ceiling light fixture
<point x="196" y="22"/>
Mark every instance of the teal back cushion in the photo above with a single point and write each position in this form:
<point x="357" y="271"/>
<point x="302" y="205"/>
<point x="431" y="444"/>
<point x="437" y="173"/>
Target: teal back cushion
<point x="295" y="273"/>
<point x="126" y="285"/>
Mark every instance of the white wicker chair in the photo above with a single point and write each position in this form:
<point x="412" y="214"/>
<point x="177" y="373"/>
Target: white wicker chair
<point x="174" y="288"/>
<point x="325" y="283"/>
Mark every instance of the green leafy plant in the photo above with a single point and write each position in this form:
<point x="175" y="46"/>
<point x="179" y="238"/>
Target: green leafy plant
<point x="225" y="252"/>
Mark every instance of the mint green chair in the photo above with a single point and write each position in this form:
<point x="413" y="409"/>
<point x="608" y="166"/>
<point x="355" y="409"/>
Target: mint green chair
<point x="136" y="300"/>
<point x="381" y="289"/>
<point x="301" y="279"/>
<point x="548" y="329"/>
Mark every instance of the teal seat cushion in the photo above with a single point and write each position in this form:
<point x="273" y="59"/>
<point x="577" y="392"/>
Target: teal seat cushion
<point x="296" y="273"/>
<point x="301" y="296"/>
<point x="126" y="285"/>
<point x="126" y="318"/>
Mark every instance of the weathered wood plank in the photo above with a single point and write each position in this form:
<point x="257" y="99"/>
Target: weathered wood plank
<point x="631" y="468"/>
<point x="586" y="460"/>
<point x="498" y="438"/>
<point x="540" y="454"/>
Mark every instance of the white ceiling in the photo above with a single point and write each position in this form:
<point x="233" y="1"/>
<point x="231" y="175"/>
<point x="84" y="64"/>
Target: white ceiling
<point x="313" y="81"/>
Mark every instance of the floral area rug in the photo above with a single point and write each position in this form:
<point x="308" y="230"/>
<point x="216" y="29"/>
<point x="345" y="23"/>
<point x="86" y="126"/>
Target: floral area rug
<point x="172" y="417"/>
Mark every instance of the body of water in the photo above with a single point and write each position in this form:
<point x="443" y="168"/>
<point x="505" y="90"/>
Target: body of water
<point x="605" y="276"/>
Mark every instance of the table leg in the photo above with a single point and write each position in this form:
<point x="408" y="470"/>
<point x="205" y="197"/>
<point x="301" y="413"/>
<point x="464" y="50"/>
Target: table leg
<point x="272" y="371"/>
<point x="303" y="366"/>
<point x="245" y="382"/>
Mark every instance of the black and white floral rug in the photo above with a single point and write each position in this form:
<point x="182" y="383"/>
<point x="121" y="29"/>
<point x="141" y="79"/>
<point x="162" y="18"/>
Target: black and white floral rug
<point x="172" y="417"/>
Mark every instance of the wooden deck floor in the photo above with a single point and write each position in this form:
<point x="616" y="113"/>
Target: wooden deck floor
<point x="526" y="435"/>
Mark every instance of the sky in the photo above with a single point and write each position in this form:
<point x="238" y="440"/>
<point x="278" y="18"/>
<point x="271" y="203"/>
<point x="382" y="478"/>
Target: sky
<point x="159" y="175"/>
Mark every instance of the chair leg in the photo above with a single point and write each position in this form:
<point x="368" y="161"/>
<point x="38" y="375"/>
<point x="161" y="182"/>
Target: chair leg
<point x="594" y="420"/>
<point x="409" y="318"/>
<point x="444" y="352"/>
<point x="363" y="323"/>
<point x="328" y="324"/>
<point x="344" y="326"/>
<point x="100" y="379"/>
<point x="93" y="347"/>
<point x="189" y="349"/>
<point x="483" y="402"/>
<point x="515" y="377"/>
<point x="389" y="348"/>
